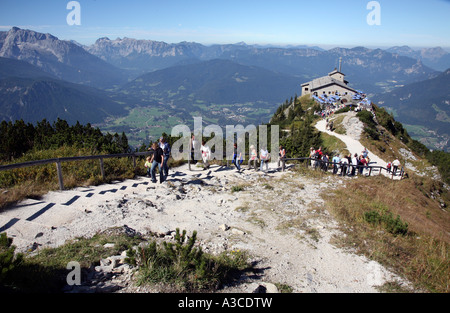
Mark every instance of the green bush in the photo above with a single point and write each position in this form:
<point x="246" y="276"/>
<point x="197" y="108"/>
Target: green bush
<point x="8" y="260"/>
<point x="386" y="219"/>
<point x="184" y="265"/>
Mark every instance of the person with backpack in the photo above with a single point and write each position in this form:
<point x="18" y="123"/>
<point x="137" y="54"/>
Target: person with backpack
<point x="166" y="152"/>
<point x="389" y="166"/>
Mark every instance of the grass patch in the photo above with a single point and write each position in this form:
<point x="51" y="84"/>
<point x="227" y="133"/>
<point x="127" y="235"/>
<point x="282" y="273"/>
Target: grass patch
<point x="46" y="271"/>
<point x="397" y="224"/>
<point x="237" y="188"/>
<point x="338" y="126"/>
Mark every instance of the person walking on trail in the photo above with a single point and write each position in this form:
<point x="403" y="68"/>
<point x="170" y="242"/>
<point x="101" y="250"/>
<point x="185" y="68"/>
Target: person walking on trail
<point x="344" y="164"/>
<point x="157" y="160"/>
<point x="195" y="147"/>
<point x="365" y="153"/>
<point x="148" y="165"/>
<point x="206" y="155"/>
<point x="336" y="160"/>
<point x="318" y="157"/>
<point x="325" y="160"/>
<point x="312" y="155"/>
<point x="395" y="165"/>
<point x="253" y="157"/>
<point x="354" y="164"/>
<point x="237" y="158"/>
<point x="281" y="155"/>
<point x="264" y="157"/>
<point x="166" y="152"/>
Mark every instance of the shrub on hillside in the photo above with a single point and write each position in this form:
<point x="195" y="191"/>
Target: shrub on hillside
<point x="8" y="260"/>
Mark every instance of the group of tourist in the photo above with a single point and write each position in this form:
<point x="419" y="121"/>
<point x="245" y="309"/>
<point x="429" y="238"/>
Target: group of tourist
<point x="264" y="157"/>
<point x="343" y="165"/>
<point x="161" y="154"/>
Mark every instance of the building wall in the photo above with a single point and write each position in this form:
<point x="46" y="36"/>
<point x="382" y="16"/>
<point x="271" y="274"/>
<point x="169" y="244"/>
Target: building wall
<point x="329" y="90"/>
<point x="338" y="76"/>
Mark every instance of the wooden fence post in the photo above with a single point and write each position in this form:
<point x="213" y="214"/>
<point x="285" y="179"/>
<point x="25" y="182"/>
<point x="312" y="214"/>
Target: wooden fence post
<point x="102" y="168"/>
<point x="60" y="176"/>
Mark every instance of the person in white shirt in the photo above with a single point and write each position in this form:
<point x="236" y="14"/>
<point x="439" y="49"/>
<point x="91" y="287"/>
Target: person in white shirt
<point x="354" y="164"/>
<point x="264" y="157"/>
<point x="395" y="165"/>
<point x="344" y="164"/>
<point x="206" y="155"/>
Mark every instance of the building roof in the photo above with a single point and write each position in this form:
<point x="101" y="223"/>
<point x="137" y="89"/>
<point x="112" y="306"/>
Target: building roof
<point x="336" y="72"/>
<point x="325" y="81"/>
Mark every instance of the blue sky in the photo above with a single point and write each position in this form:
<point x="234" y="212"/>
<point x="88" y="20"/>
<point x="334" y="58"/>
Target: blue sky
<point x="327" y="23"/>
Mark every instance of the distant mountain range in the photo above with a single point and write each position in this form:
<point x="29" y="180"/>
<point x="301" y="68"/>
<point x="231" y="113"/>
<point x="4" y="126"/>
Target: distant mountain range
<point x="117" y="82"/>
<point x="424" y="107"/>
<point x="373" y="70"/>
<point x="28" y="93"/>
<point x="435" y="58"/>
<point x="63" y="59"/>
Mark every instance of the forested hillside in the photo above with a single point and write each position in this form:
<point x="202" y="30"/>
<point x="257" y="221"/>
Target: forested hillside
<point x="19" y="137"/>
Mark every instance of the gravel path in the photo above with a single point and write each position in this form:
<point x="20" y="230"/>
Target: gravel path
<point x="278" y="217"/>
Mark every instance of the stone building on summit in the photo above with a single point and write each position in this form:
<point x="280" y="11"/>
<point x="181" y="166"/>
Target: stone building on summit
<point x="332" y="84"/>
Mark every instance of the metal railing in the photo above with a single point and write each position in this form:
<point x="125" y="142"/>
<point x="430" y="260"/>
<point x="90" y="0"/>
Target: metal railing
<point x="58" y="162"/>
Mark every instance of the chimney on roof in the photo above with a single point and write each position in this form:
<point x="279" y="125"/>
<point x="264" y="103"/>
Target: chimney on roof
<point x="340" y="64"/>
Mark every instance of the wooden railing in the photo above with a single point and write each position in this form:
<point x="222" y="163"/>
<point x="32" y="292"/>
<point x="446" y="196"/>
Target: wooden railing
<point x="58" y="162"/>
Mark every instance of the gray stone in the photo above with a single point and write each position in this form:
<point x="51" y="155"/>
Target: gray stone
<point x="237" y="232"/>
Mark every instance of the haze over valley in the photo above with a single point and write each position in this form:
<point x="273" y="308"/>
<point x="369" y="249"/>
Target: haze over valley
<point x="145" y="87"/>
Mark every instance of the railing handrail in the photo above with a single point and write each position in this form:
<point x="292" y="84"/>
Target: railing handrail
<point x="58" y="162"/>
<point x="69" y="159"/>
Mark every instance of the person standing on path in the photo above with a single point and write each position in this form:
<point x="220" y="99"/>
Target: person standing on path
<point x="264" y="156"/>
<point x="281" y="155"/>
<point x="237" y="158"/>
<point x="253" y="157"/>
<point x="336" y="160"/>
<point x="166" y="152"/>
<point x="395" y="166"/>
<point x="157" y="160"/>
